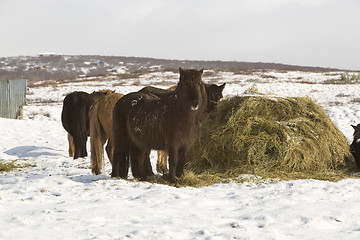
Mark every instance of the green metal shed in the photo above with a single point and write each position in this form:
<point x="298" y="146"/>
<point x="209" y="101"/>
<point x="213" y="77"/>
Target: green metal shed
<point x="12" y="98"/>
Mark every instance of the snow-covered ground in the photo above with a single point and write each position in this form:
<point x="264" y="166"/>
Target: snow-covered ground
<point x="58" y="197"/>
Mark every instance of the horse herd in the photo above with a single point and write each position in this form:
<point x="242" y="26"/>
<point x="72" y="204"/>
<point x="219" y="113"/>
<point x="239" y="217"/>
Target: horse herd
<point x="132" y="125"/>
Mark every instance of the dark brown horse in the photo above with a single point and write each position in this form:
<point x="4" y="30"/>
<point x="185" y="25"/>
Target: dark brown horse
<point x="75" y="119"/>
<point x="214" y="94"/>
<point x="142" y="122"/>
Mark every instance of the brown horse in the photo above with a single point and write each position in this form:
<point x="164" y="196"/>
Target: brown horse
<point x="101" y="131"/>
<point x="142" y="122"/>
<point x="75" y="119"/>
<point x="214" y="94"/>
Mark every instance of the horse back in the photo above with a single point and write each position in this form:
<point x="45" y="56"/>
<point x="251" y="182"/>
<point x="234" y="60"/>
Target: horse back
<point x="159" y="92"/>
<point x="134" y="113"/>
<point x="154" y="123"/>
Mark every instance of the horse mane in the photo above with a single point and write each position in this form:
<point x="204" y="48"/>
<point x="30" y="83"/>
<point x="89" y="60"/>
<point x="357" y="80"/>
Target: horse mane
<point x="107" y="91"/>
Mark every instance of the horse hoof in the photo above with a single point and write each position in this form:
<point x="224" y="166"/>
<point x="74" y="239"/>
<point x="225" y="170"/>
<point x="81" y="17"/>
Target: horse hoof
<point x="172" y="180"/>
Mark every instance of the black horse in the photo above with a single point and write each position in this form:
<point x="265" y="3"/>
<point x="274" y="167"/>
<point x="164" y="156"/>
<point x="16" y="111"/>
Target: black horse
<point x="214" y="94"/>
<point x="142" y="122"/>
<point x="355" y="145"/>
<point x="75" y="119"/>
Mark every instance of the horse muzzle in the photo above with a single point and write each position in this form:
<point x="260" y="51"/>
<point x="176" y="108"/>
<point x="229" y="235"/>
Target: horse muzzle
<point x="194" y="108"/>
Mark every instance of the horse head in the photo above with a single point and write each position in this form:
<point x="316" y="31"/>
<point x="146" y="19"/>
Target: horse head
<point x="214" y="94"/>
<point x="190" y="89"/>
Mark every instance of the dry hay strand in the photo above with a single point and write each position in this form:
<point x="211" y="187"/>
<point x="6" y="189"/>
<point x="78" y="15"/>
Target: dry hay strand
<point x="270" y="137"/>
<point x="7" y="166"/>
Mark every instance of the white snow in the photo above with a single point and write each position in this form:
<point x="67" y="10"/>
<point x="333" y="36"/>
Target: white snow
<point x="57" y="197"/>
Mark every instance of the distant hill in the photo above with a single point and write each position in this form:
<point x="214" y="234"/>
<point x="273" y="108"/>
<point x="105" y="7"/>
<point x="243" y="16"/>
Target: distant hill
<point x="60" y="67"/>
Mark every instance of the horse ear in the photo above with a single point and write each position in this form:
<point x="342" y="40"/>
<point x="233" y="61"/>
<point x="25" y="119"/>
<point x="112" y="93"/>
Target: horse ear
<point x="201" y="71"/>
<point x="223" y="85"/>
<point x="354" y="127"/>
<point x="180" y="70"/>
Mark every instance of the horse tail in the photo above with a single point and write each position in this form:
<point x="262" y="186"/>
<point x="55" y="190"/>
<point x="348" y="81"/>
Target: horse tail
<point x="121" y="144"/>
<point x="96" y="145"/>
<point x="75" y="125"/>
<point x="80" y="132"/>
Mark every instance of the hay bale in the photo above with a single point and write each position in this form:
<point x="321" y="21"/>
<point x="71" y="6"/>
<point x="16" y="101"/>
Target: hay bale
<point x="273" y="137"/>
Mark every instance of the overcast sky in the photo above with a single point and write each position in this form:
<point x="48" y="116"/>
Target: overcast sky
<point x="322" y="33"/>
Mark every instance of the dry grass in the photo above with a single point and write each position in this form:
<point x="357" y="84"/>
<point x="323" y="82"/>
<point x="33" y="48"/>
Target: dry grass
<point x="10" y="166"/>
<point x="270" y="137"/>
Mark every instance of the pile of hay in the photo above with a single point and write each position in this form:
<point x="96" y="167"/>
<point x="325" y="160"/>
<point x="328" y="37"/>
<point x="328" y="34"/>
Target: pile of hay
<point x="271" y="137"/>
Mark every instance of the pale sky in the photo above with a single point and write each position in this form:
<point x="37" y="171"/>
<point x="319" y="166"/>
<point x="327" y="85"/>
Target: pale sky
<point x="323" y="33"/>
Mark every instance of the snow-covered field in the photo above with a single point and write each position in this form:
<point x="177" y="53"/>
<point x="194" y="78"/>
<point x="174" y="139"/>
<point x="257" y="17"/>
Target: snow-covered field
<point x="58" y="197"/>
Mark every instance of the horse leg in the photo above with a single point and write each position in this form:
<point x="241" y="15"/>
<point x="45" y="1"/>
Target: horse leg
<point x="181" y="162"/>
<point x="138" y="159"/>
<point x="147" y="164"/>
<point x="161" y="164"/>
<point x="134" y="162"/>
<point x="137" y="156"/>
<point x="83" y="152"/>
<point x="120" y="162"/>
<point x="120" y="165"/>
<point x="173" y="162"/>
<point x="71" y="145"/>
<point x="76" y="148"/>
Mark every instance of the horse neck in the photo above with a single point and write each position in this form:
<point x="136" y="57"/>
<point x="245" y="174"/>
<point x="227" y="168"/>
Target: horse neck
<point x="355" y="148"/>
<point x="177" y="103"/>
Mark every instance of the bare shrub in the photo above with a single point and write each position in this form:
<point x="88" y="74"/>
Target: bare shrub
<point x="355" y="100"/>
<point x="342" y="95"/>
